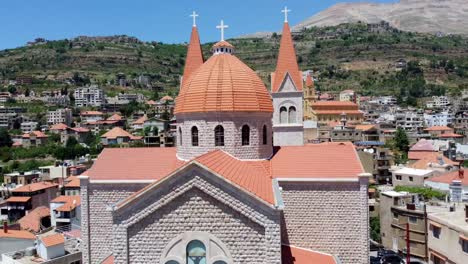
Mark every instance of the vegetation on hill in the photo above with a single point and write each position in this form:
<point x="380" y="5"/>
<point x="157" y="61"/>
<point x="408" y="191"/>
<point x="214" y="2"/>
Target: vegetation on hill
<point x="349" y="56"/>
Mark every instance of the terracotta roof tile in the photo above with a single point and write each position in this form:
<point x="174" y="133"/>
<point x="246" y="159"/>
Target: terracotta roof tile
<point x="438" y="128"/>
<point x="20" y="234"/>
<point x="18" y="199"/>
<point x="38" y="134"/>
<point x="223" y="43"/>
<point x="80" y="129"/>
<point x="424" y="161"/>
<point x="86" y="113"/>
<point x="167" y="98"/>
<point x="117" y="132"/>
<point x="417" y="155"/>
<point x="134" y="164"/>
<point x="364" y="127"/>
<point x="326" y="160"/>
<point x="450" y="177"/>
<point x="59" y="126"/>
<point x="287" y="62"/>
<point x="296" y="255"/>
<point x="53" y="240"/>
<point x="422" y="145"/>
<point x="224" y="84"/>
<point x="333" y="103"/>
<point x="194" y="57"/>
<point x="32" y="221"/>
<point x="141" y="120"/>
<point x="115" y="117"/>
<point x="35" y="187"/>
<point x="72" y="182"/>
<point x="450" y="135"/>
<point x="69" y="202"/>
<point x="338" y="112"/>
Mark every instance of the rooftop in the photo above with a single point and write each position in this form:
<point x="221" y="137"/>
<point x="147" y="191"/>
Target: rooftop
<point x="454" y="220"/>
<point x="69" y="202"/>
<point x="411" y="171"/>
<point x="53" y="240"/>
<point x="19" y="234"/>
<point x="118" y="132"/>
<point x="33" y="187"/>
<point x="450" y="177"/>
<point x="32" y="221"/>
<point x="297" y="255"/>
<point x="438" y="128"/>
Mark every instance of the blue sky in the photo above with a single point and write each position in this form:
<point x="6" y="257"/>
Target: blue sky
<point x="150" y="20"/>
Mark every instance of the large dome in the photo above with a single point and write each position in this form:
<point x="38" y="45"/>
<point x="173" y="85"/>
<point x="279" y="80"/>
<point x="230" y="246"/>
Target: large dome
<point x="223" y="84"/>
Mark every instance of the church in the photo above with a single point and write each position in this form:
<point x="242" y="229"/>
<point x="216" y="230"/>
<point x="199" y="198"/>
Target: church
<point x="240" y="186"/>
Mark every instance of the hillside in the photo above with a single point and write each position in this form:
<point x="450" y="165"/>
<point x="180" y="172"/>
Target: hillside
<point x="349" y="56"/>
<point x="427" y="16"/>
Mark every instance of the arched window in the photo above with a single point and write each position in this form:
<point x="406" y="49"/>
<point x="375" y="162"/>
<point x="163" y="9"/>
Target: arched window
<point x="172" y="262"/>
<point x="292" y="114"/>
<point x="196" y="252"/>
<point x="219" y="262"/>
<point x="219" y="136"/>
<point x="194" y="136"/>
<point x="283" y="115"/>
<point x="264" y="135"/>
<point x="245" y="135"/>
<point x="180" y="136"/>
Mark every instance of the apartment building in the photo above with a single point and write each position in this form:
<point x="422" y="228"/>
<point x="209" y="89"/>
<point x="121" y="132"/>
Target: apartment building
<point x="28" y="127"/>
<point x="89" y="96"/>
<point x="410" y="177"/>
<point x="438" y="102"/>
<point x="60" y="116"/>
<point x="438" y="119"/>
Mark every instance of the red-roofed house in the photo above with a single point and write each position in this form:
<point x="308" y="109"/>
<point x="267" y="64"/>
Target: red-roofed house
<point x="331" y="111"/>
<point x="91" y="116"/>
<point x="13" y="240"/>
<point x="33" y="139"/>
<point x="66" y="212"/>
<point x="443" y="182"/>
<point x="233" y="190"/>
<point x="118" y="136"/>
<point x="437" y="131"/>
<point x="52" y="246"/>
<point x="36" y="220"/>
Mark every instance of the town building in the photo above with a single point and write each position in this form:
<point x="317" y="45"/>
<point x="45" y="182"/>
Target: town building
<point x="411" y="122"/>
<point x="21" y="178"/>
<point x="12" y="240"/>
<point x="60" y="116"/>
<point x="33" y="139"/>
<point x="331" y="111"/>
<point x="438" y="119"/>
<point x="348" y="96"/>
<point x="36" y="221"/>
<point x="28" y="127"/>
<point x="66" y="212"/>
<point x="448" y="235"/>
<point x="410" y="177"/>
<point x="447" y="180"/>
<point x="438" y="102"/>
<point x="223" y="195"/>
<point x="89" y="96"/>
<point x="118" y="136"/>
<point x="91" y="116"/>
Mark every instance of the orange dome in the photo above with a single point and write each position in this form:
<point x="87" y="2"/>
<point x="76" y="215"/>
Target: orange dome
<point x="223" y="84"/>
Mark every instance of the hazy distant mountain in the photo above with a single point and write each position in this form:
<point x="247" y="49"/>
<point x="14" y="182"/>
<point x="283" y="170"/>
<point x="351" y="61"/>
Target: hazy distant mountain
<point x="429" y="16"/>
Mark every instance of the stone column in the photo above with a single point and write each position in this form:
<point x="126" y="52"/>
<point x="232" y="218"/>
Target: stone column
<point x="85" y="235"/>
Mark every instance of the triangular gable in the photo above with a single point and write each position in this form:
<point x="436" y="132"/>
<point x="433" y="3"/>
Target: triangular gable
<point x="288" y="84"/>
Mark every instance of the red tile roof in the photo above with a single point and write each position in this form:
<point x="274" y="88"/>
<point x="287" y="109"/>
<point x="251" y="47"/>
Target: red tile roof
<point x="36" y="133"/>
<point x="326" y="160"/>
<point x="35" y="187"/>
<point x="422" y="145"/>
<point x="223" y="84"/>
<point x="333" y="103"/>
<point x="438" y="128"/>
<point x="223" y="43"/>
<point x="18" y="199"/>
<point x="115" y="117"/>
<point x="53" y="240"/>
<point x="118" y="132"/>
<point x="86" y="113"/>
<point x="450" y="177"/>
<point x="72" y="182"/>
<point x="80" y="129"/>
<point x="19" y="234"/>
<point x="364" y="127"/>
<point x="108" y="260"/>
<point x="287" y="62"/>
<point x="69" y="202"/>
<point x="417" y="155"/>
<point x="338" y="112"/>
<point x="59" y="126"/>
<point x="450" y="135"/>
<point x="297" y="255"/>
<point x="32" y="221"/>
<point x="141" y="120"/>
<point x="194" y="57"/>
<point x="167" y="98"/>
<point x="134" y="164"/>
<point x="431" y="158"/>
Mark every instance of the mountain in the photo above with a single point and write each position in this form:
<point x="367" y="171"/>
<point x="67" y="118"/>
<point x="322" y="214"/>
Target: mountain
<point x="426" y="16"/>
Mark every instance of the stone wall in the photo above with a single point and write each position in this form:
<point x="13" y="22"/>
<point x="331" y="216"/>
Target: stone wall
<point x="232" y="124"/>
<point x="291" y="133"/>
<point x="197" y="202"/>
<point x="96" y="224"/>
<point x="327" y="217"/>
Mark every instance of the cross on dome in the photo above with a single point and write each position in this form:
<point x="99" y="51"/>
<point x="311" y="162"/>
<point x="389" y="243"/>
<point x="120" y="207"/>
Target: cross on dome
<point x="194" y="16"/>
<point x="222" y="27"/>
<point x="285" y="11"/>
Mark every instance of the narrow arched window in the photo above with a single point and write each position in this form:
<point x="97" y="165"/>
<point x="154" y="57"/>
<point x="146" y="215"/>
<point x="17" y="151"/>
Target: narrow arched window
<point x="194" y="136"/>
<point x="245" y="135"/>
<point x="180" y="136"/>
<point x="172" y="262"/>
<point x="264" y="135"/>
<point x="196" y="252"/>
<point x="219" y="136"/>
<point x="283" y="115"/>
<point x="292" y="114"/>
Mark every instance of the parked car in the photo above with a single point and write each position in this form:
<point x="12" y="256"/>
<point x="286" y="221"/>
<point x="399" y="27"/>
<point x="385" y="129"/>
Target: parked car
<point x="392" y="259"/>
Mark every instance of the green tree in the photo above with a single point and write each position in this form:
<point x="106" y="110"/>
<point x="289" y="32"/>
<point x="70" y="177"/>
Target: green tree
<point x="5" y="139"/>
<point x="374" y="223"/>
<point x="401" y="140"/>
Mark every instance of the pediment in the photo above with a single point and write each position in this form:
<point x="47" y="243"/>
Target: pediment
<point x="287" y="85"/>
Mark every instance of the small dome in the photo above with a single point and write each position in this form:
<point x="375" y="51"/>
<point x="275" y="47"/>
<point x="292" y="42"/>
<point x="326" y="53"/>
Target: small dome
<point x="222" y="47"/>
<point x="223" y="84"/>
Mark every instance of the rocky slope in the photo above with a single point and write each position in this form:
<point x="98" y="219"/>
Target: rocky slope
<point x="427" y="16"/>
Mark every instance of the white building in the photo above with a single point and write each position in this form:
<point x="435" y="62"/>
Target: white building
<point x="65" y="212"/>
<point x="438" y="102"/>
<point x="51" y="247"/>
<point x="409" y="121"/>
<point x="384" y="100"/>
<point x="58" y="116"/>
<point x="89" y="96"/>
<point x="410" y="177"/>
<point x="28" y="127"/>
<point x="347" y="95"/>
<point x="438" y="119"/>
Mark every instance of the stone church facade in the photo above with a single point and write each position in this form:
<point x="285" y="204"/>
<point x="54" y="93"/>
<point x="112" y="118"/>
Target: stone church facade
<point x="240" y="187"/>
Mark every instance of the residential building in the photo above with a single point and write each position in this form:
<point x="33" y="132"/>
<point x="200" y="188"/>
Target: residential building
<point x="409" y="121"/>
<point x="438" y="119"/>
<point x="54" y="173"/>
<point x="448" y="235"/>
<point x="348" y="96"/>
<point x="438" y="102"/>
<point x="438" y="131"/>
<point x="331" y="111"/>
<point x="36" y="220"/>
<point x="13" y="240"/>
<point x="28" y="127"/>
<point x="4" y="97"/>
<point x="225" y="188"/>
<point x="384" y="100"/>
<point x="89" y="96"/>
<point x="79" y="133"/>
<point x="376" y="160"/>
<point x="410" y="177"/>
<point x="447" y="180"/>
<point x="33" y="139"/>
<point x="91" y="116"/>
<point x="27" y="198"/>
<point x="9" y="116"/>
<point x="131" y="97"/>
<point x="115" y="120"/>
<point x="60" y="116"/>
<point x="21" y="178"/>
<point x="72" y="186"/>
<point x="66" y="212"/>
<point x="118" y="136"/>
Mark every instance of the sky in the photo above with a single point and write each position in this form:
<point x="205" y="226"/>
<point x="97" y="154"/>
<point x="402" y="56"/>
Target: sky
<point x="149" y="20"/>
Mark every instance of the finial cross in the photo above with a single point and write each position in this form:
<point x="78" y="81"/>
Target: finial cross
<point x="222" y="27"/>
<point x="285" y="11"/>
<point x="194" y="16"/>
